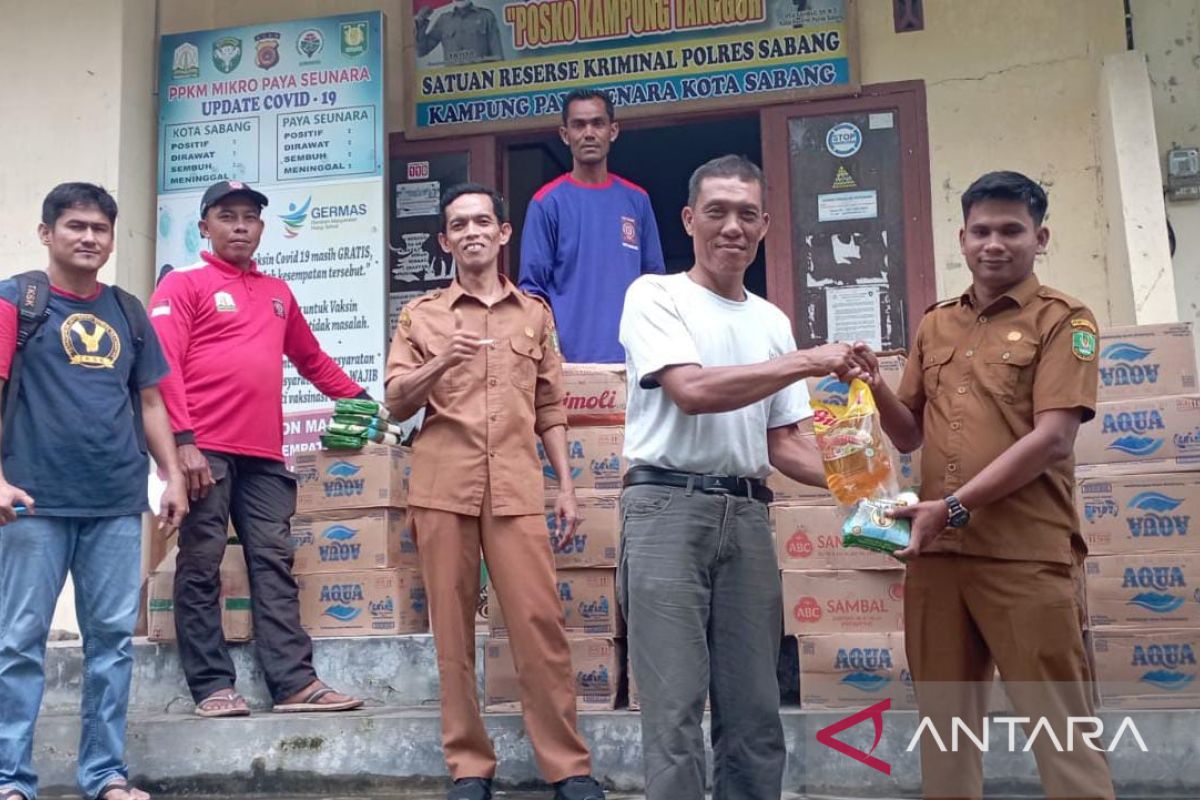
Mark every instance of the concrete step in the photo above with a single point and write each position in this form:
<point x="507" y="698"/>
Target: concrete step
<point x="387" y="671"/>
<point x="395" y="750"/>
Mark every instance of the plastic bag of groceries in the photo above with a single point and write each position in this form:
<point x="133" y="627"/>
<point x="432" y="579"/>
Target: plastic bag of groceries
<point x="859" y="470"/>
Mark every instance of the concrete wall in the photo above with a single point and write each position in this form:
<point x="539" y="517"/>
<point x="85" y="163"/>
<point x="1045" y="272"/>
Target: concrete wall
<point x="1168" y="32"/>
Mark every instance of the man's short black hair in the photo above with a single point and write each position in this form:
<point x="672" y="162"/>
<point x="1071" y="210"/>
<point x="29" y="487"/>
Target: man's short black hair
<point x="458" y="190"/>
<point x="77" y="195"/>
<point x="588" y="94"/>
<point x="1009" y="186"/>
<point x="730" y="166"/>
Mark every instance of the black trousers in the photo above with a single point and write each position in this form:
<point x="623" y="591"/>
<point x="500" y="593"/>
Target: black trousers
<point x="260" y="495"/>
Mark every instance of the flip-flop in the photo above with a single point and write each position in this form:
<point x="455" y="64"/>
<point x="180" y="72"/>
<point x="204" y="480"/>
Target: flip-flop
<point x="309" y="703"/>
<point x="234" y="711"/>
<point x="130" y="791"/>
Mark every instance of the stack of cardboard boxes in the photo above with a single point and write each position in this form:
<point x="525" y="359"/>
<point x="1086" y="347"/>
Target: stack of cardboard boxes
<point x="586" y="563"/>
<point x="355" y="561"/>
<point x="234" y="597"/>
<point x="1138" y="465"/>
<point x="843" y="605"/>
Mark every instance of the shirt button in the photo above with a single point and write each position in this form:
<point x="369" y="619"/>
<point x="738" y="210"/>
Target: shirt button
<point x="970" y="353"/>
<point x="491" y="381"/>
<point x="1006" y="356"/>
<point x="951" y="468"/>
<point x="492" y="417"/>
<point x="982" y="318"/>
<point x="492" y="454"/>
<point x="962" y="390"/>
<point x="955" y="426"/>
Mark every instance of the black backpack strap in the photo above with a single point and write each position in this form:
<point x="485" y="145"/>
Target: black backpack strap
<point x="139" y="324"/>
<point x="33" y="294"/>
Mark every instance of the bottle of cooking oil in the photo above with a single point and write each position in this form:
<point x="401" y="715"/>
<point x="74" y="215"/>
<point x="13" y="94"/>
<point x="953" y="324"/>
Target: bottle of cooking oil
<point x="857" y="465"/>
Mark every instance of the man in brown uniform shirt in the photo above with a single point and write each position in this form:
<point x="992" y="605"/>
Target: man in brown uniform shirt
<point x="997" y="385"/>
<point x="482" y="359"/>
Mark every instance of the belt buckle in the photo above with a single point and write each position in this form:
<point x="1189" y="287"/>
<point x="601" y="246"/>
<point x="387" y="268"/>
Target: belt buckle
<point x="711" y="484"/>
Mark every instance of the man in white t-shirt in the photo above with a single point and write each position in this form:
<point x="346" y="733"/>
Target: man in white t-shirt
<point x="715" y="394"/>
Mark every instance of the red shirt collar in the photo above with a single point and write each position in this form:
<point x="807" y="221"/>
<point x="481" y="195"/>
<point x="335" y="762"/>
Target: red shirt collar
<point x="225" y="266"/>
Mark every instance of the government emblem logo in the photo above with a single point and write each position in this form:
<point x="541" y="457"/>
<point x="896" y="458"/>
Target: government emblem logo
<point x="266" y="49"/>
<point x="227" y="53"/>
<point x="354" y="38"/>
<point x="90" y="342"/>
<point x="310" y="43"/>
<point x="186" y="62"/>
<point x="224" y="302"/>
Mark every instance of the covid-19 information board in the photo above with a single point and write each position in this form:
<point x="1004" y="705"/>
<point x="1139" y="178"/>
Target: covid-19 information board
<point x="295" y="109"/>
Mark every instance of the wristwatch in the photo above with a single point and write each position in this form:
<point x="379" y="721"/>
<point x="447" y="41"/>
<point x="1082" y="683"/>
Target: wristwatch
<point x="958" y="516"/>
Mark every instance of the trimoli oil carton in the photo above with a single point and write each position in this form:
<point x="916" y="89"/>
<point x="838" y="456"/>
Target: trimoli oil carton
<point x="598" y="536"/>
<point x="1147" y="361"/>
<point x="338" y="541"/>
<point x="843" y="601"/>
<point x="234" y="599"/>
<point x="373" y="602"/>
<point x="594" y="394"/>
<point x="1153" y="429"/>
<point x="1140" y="513"/>
<point x="597" y="662"/>
<point x="589" y="604"/>
<point x="1148" y="668"/>
<point x="810" y="537"/>
<point x="853" y="670"/>
<point x="375" y="476"/>
<point x="1159" y="590"/>
<point x="594" y="455"/>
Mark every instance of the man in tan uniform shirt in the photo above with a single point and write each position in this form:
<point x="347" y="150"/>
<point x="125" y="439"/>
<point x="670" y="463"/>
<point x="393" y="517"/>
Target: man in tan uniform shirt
<point x="482" y="359"/>
<point x="998" y="382"/>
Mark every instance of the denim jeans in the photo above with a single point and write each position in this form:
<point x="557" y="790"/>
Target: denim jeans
<point x="103" y="555"/>
<point x="699" y="583"/>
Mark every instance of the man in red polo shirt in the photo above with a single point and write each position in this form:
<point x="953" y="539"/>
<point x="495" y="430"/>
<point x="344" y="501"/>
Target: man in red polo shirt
<point x="225" y="328"/>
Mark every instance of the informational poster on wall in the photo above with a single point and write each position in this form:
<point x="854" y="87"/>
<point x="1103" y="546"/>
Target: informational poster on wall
<point x="418" y="264"/>
<point x="295" y="109"/>
<point x="487" y="65"/>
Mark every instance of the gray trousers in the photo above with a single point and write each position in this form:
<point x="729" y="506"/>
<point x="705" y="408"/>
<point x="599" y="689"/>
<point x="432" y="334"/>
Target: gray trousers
<point x="698" y="581"/>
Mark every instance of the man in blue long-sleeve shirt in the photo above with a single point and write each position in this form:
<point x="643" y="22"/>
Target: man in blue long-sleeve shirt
<point x="588" y="235"/>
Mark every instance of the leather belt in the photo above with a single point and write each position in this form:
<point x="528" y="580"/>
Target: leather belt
<point x="752" y="488"/>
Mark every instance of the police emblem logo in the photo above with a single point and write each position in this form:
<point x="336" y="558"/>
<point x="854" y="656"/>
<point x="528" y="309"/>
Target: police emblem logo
<point x="354" y="38"/>
<point x="227" y="53"/>
<point x="185" y="63"/>
<point x="90" y="342"/>
<point x="266" y="49"/>
<point x="310" y="43"/>
<point x="277" y="304"/>
<point x="629" y="237"/>
<point x="224" y="302"/>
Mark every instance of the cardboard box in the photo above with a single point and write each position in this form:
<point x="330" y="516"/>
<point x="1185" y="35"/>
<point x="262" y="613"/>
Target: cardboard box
<point x="831" y="390"/>
<point x="843" y="601"/>
<point x="375" y="476"/>
<point x="792" y="492"/>
<point x="236" y="622"/>
<point x="1145" y="429"/>
<point x="597" y="662"/>
<point x="595" y="458"/>
<point x="589" y="604"/>
<point x="341" y="541"/>
<point x="1148" y="668"/>
<point x="372" y="602"/>
<point x="598" y="536"/>
<point x="594" y="394"/>
<point x="853" y="670"/>
<point x="1147" y="361"/>
<point x="1142" y="514"/>
<point x="810" y="537"/>
<point x="1156" y="590"/>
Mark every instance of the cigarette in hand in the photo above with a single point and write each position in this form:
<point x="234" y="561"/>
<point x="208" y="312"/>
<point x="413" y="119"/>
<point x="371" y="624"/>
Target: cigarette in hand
<point x="486" y="341"/>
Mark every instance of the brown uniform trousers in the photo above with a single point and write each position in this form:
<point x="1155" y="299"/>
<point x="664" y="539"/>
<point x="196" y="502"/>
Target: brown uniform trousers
<point x="1003" y="592"/>
<point x="477" y="484"/>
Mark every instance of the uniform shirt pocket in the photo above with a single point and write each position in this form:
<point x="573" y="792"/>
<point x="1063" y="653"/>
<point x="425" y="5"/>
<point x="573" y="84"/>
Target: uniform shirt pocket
<point x="1005" y="370"/>
<point x="934" y="362"/>
<point x="526" y="355"/>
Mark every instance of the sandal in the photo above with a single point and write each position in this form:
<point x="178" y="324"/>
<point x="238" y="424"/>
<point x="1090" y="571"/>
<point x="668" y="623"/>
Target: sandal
<point x="311" y="701"/>
<point x="221" y="703"/>
<point x="130" y="793"/>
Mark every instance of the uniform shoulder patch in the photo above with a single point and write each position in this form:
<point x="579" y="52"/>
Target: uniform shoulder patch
<point x="1084" y="324"/>
<point x="1083" y="344"/>
<point x="550" y="327"/>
